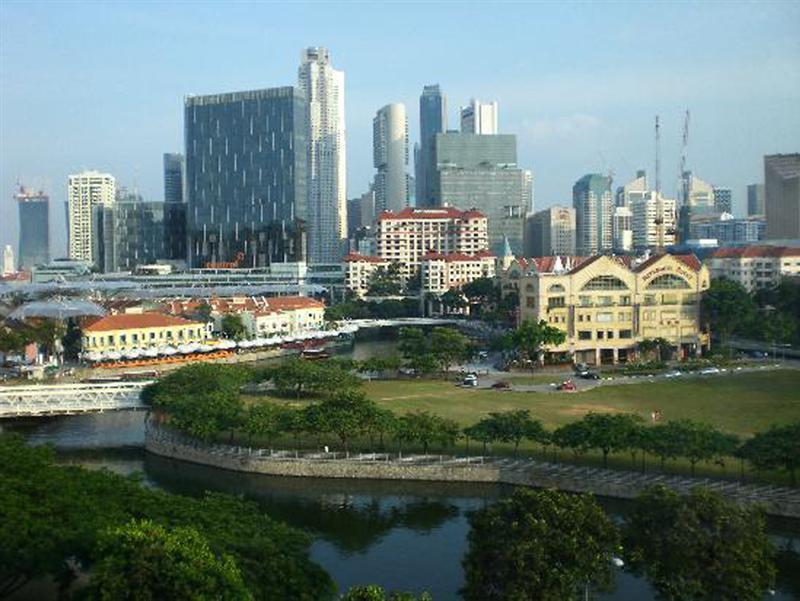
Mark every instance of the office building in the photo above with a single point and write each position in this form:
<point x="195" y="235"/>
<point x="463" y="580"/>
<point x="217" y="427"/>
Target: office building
<point x="728" y="230"/>
<point x="130" y="233"/>
<point x="696" y="203"/>
<point x="481" y="172"/>
<point x="723" y="200"/>
<point x="623" y="229"/>
<point x="85" y="191"/>
<point x="34" y="228"/>
<point x="323" y="87"/>
<point x="607" y="305"/>
<point x="755" y="267"/>
<point x="755" y="200"/>
<point x="633" y="190"/>
<point x="432" y="121"/>
<point x="550" y="232"/>
<point x="390" y="157"/>
<point x="173" y="177"/>
<point x="246" y="177"/>
<point x="782" y="195"/>
<point x="594" y="212"/>
<point x="479" y="118"/>
<point x="653" y="221"/>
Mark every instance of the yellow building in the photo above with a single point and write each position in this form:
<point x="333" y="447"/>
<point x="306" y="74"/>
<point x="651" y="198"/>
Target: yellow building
<point x="607" y="305"/>
<point x="141" y="331"/>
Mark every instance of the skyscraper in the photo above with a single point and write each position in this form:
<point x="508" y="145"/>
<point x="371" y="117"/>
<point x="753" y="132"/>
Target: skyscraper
<point x="34" y="228"/>
<point x="649" y="229"/>
<point x="481" y="172"/>
<point x="390" y="157"/>
<point x="594" y="212"/>
<point x="246" y="177"/>
<point x="782" y="195"/>
<point x="173" y="177"/>
<point x="755" y="200"/>
<point x="432" y="121"/>
<point x="479" y="118"/>
<point x="550" y="232"/>
<point x="633" y="190"/>
<point x="723" y="200"/>
<point x="85" y="191"/>
<point x="323" y="87"/>
<point x="131" y="232"/>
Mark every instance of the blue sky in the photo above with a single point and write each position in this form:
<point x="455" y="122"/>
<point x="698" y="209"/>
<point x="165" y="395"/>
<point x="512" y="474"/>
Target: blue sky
<point x="100" y="85"/>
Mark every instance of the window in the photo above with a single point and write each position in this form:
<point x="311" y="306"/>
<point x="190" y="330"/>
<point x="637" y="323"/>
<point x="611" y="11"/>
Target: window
<point x="600" y="334"/>
<point x="605" y="317"/>
<point x="605" y="282"/>
<point x="584" y="335"/>
<point x="554" y="302"/>
<point x="530" y="302"/>
<point x="585" y="301"/>
<point x="625" y="333"/>
<point x="610" y="334"/>
<point x="625" y="300"/>
<point x="649" y="299"/>
<point x="556" y="288"/>
<point x="668" y="281"/>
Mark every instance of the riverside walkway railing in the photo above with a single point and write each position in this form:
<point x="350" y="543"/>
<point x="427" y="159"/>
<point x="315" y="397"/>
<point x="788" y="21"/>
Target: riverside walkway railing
<point x="66" y="399"/>
<point x="776" y="500"/>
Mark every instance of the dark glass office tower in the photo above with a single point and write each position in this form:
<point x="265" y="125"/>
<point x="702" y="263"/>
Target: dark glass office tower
<point x="245" y="182"/>
<point x="34" y="228"/>
<point x="173" y="177"/>
<point x="128" y="233"/>
<point x="432" y="121"/>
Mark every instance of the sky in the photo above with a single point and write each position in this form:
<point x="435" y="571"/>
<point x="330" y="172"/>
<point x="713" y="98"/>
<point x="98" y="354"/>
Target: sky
<point x="100" y="85"/>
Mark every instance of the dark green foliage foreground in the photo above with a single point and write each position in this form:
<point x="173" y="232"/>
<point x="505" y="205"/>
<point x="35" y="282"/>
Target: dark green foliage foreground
<point x="50" y="514"/>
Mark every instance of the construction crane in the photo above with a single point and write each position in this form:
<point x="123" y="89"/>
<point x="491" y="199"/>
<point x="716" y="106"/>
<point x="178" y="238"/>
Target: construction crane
<point x="682" y="189"/>
<point x="659" y="219"/>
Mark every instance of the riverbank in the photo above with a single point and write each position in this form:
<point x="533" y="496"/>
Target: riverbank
<point x="777" y="501"/>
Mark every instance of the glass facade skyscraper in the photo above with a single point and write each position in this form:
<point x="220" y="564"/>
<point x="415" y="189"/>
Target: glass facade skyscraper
<point x="246" y="159"/>
<point x="432" y="121"/>
<point x="34" y="228"/>
<point x="474" y="171"/>
<point x="129" y="233"/>
<point x="173" y="177"/>
<point x="594" y="214"/>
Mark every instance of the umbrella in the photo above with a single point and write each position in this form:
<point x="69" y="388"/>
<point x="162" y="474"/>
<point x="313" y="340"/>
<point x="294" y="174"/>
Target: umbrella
<point x="114" y="356"/>
<point x="151" y="353"/>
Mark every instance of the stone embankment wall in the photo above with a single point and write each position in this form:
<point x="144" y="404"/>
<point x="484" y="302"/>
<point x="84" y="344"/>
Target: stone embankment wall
<point x="778" y="501"/>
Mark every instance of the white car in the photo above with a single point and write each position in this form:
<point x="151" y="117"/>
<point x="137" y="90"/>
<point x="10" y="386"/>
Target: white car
<point x="673" y="374"/>
<point x="708" y="371"/>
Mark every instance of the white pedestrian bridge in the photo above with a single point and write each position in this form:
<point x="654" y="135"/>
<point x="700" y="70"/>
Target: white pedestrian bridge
<point x="67" y="399"/>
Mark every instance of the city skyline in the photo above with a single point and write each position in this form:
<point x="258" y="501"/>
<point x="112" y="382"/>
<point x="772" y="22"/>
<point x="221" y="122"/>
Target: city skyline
<point x="741" y="88"/>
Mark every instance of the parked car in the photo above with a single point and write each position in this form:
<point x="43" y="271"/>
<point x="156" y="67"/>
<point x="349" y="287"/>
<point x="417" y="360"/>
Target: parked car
<point x="501" y="385"/>
<point x="673" y="374"/>
<point x="588" y="375"/>
<point x="707" y="371"/>
<point x="581" y="367"/>
<point x="483" y="355"/>
<point x="567" y="386"/>
<point x="470" y="380"/>
<point x="758" y="355"/>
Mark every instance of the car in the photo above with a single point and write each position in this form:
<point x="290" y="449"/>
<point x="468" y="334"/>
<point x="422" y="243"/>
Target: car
<point x="675" y="373"/>
<point x="588" y="375"/>
<point x="758" y="355"/>
<point x="501" y="385"/>
<point x="581" y="367"/>
<point x="567" y="386"/>
<point x="708" y="371"/>
<point x="483" y="354"/>
<point x="470" y="380"/>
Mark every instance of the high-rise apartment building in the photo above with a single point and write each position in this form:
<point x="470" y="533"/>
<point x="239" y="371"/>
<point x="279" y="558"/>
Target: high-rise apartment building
<point x="432" y="121"/>
<point x="479" y="118"/>
<point x="631" y="191"/>
<point x="755" y="200"/>
<point x="323" y="87"/>
<point x="34" y="228"/>
<point x="550" y="232"/>
<point x="481" y="172"/>
<point x="623" y="229"/>
<point x="723" y="200"/>
<point x="173" y="177"/>
<point x="653" y="221"/>
<point x="594" y="212"/>
<point x="782" y="195"/>
<point x="246" y="159"/>
<point x="390" y="157"/>
<point x="85" y="191"/>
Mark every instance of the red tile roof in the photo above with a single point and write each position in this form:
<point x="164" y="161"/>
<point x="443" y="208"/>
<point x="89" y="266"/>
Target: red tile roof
<point x="129" y="321"/>
<point x="359" y="258"/>
<point x="755" y="251"/>
<point x="449" y="257"/>
<point x="431" y="213"/>
<point x="689" y="260"/>
<point x="290" y="303"/>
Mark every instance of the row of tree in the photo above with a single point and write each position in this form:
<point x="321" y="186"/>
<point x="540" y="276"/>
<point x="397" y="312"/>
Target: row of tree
<point x="52" y="336"/>
<point x="204" y="401"/>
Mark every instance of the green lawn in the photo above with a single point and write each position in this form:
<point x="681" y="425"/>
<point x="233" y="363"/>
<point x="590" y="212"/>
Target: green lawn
<point x="741" y="404"/>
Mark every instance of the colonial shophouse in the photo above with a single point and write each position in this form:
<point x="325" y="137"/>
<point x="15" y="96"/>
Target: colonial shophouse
<point x="607" y="305"/>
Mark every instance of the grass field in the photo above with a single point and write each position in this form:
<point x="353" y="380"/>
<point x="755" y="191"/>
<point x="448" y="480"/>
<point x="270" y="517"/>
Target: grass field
<point x="741" y="404"/>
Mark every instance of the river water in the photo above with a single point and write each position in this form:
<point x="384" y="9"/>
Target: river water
<point x="400" y="535"/>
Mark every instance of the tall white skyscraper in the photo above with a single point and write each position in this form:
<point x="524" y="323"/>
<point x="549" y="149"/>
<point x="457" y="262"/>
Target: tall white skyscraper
<point x="390" y="157"/>
<point x="8" y="260"/>
<point x="479" y="118"/>
<point x="327" y="184"/>
<point x="86" y="190"/>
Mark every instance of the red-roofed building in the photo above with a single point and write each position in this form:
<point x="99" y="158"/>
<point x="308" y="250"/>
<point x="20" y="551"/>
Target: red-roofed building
<point x="127" y="331"/>
<point x="755" y="267"/>
<point x="442" y="272"/>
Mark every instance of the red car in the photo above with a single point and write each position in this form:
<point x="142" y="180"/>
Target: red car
<point x="567" y="385"/>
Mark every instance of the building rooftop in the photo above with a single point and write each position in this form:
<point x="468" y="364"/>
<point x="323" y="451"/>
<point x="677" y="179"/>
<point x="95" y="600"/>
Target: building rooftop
<point x="739" y="252"/>
<point x="359" y="258"/>
<point x="451" y="257"/>
<point x="431" y="213"/>
<point x="129" y="321"/>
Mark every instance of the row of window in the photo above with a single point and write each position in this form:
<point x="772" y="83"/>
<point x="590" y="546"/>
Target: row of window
<point x="604" y="334"/>
<point x="145" y="337"/>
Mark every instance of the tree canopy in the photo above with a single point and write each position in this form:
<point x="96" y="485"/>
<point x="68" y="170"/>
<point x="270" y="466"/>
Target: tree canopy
<point x="530" y="337"/>
<point x="776" y="449"/>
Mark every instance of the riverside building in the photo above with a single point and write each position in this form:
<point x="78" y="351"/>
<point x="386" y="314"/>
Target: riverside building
<point x="755" y="267"/>
<point x="128" y="331"/>
<point x="607" y="305"/>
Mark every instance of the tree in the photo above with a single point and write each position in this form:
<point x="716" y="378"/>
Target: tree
<point x="543" y="545"/>
<point x="347" y="414"/>
<point x="610" y="432"/>
<point x="484" y="432"/>
<point x="448" y="346"/>
<point x="233" y="327"/>
<point x="515" y="426"/>
<point x="727" y="308"/>
<point x="262" y="419"/>
<point x="380" y="422"/>
<point x="776" y="449"/>
<point x="72" y="340"/>
<point x="482" y="291"/>
<point x="697" y="441"/>
<point x="424" y="426"/>
<point x="374" y="592"/>
<point x="415" y="348"/>
<point x="295" y="376"/>
<point x="452" y="299"/>
<point x="655" y="348"/>
<point x="699" y="547"/>
<point x="574" y="435"/>
<point x="144" y="561"/>
<point x="662" y="440"/>
<point x="385" y="281"/>
<point x="530" y="337"/>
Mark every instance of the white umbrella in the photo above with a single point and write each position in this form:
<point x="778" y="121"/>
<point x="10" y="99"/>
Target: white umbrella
<point x="205" y="348"/>
<point x="114" y="356"/>
<point x="131" y="354"/>
<point x="92" y="356"/>
<point x="226" y="344"/>
<point x="168" y="350"/>
<point x="246" y="344"/>
<point x="151" y="353"/>
<point x="184" y="349"/>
